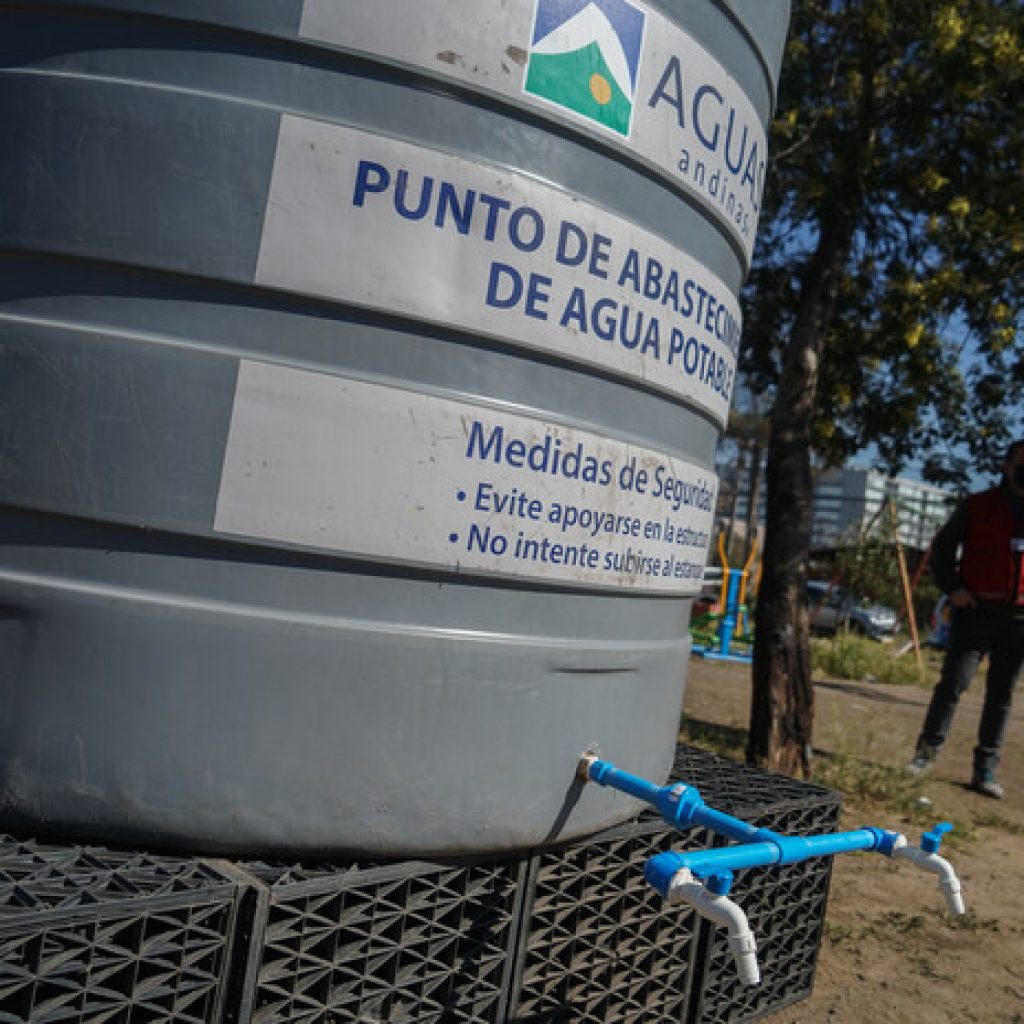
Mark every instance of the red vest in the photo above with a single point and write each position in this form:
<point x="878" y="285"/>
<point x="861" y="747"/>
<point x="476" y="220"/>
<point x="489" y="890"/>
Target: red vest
<point x="993" y="553"/>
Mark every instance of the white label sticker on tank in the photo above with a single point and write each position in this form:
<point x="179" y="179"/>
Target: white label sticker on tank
<point x="359" y="217"/>
<point x="613" y="68"/>
<point x="379" y="472"/>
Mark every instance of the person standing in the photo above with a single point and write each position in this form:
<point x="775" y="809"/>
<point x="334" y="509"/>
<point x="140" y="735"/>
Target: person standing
<point x="978" y="560"/>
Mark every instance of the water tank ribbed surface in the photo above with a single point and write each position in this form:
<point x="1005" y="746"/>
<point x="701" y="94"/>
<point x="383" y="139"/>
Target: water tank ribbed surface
<point x="361" y="371"/>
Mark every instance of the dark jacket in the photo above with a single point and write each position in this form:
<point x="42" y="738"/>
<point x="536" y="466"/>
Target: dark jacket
<point x="973" y="550"/>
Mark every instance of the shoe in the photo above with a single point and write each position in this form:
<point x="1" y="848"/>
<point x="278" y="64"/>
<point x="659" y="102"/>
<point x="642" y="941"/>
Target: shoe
<point x="985" y="784"/>
<point x="924" y="759"/>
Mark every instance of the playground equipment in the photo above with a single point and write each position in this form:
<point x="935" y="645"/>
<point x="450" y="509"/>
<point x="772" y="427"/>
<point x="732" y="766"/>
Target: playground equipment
<point x="703" y="878"/>
<point x="716" y="633"/>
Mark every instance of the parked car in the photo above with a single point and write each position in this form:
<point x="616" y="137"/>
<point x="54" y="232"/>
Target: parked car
<point x="833" y="608"/>
<point x="710" y="591"/>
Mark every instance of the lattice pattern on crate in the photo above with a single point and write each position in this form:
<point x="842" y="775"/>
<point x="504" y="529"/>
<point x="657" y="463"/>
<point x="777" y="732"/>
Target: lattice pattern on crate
<point x="785" y="906"/>
<point x="152" y="960"/>
<point x="412" y="942"/>
<point x="280" y="874"/>
<point x="732" y="787"/>
<point x="35" y="877"/>
<point x="599" y="946"/>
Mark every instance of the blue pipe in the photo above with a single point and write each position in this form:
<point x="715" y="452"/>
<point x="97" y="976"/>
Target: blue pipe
<point x="682" y="806"/>
<point x="726" y="825"/>
<point x="703" y="878"/>
<point x="604" y="773"/>
<point x="703" y="864"/>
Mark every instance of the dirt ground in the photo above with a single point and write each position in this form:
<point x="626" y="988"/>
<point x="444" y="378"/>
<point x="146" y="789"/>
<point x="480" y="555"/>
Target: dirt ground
<point x="891" y="953"/>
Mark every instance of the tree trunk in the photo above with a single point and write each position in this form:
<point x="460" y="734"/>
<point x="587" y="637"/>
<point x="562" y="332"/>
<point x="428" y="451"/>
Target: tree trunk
<point x="753" y="496"/>
<point x="733" y="507"/>
<point x="782" y="700"/>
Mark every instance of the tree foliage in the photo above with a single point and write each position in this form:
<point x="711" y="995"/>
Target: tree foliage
<point x="899" y="124"/>
<point x="885" y="306"/>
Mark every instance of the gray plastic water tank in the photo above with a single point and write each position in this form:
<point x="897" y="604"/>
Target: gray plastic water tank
<point x="361" y="371"/>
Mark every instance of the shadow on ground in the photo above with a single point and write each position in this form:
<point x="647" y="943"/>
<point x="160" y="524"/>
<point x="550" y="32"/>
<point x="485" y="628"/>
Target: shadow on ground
<point x="726" y="740"/>
<point x="866" y="690"/>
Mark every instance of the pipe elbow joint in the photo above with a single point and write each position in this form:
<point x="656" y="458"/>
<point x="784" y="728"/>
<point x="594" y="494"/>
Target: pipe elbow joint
<point x="662" y="870"/>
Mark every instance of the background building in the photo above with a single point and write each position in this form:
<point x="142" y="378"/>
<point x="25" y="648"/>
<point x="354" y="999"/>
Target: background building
<point x="846" y="504"/>
<point x="849" y="503"/>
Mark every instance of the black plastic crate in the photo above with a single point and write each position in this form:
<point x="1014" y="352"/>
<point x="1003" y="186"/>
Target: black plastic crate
<point x="39" y="876"/>
<point x="598" y="945"/>
<point x="88" y="934"/>
<point x="407" y="942"/>
<point x="744" y="792"/>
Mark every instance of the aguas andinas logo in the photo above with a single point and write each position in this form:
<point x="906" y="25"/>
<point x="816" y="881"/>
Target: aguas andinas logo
<point x="585" y="56"/>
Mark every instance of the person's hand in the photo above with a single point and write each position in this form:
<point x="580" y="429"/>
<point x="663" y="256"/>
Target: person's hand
<point x="962" y="598"/>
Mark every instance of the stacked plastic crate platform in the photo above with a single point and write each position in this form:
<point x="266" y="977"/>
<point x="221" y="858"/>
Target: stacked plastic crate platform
<point x="570" y="934"/>
<point x="89" y="934"/>
<point x="391" y="943"/>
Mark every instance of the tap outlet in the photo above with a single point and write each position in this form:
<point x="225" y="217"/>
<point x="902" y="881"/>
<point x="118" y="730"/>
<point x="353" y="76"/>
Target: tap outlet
<point x="720" y="910"/>
<point x="949" y="883"/>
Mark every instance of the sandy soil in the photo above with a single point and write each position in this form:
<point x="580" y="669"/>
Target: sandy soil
<point x="891" y="953"/>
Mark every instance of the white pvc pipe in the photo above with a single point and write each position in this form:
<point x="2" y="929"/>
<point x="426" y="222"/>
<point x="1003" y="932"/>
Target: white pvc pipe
<point x="684" y="888"/>
<point x="932" y="862"/>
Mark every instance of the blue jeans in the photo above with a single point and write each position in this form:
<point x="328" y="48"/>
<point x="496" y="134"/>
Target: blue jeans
<point x="975" y="632"/>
